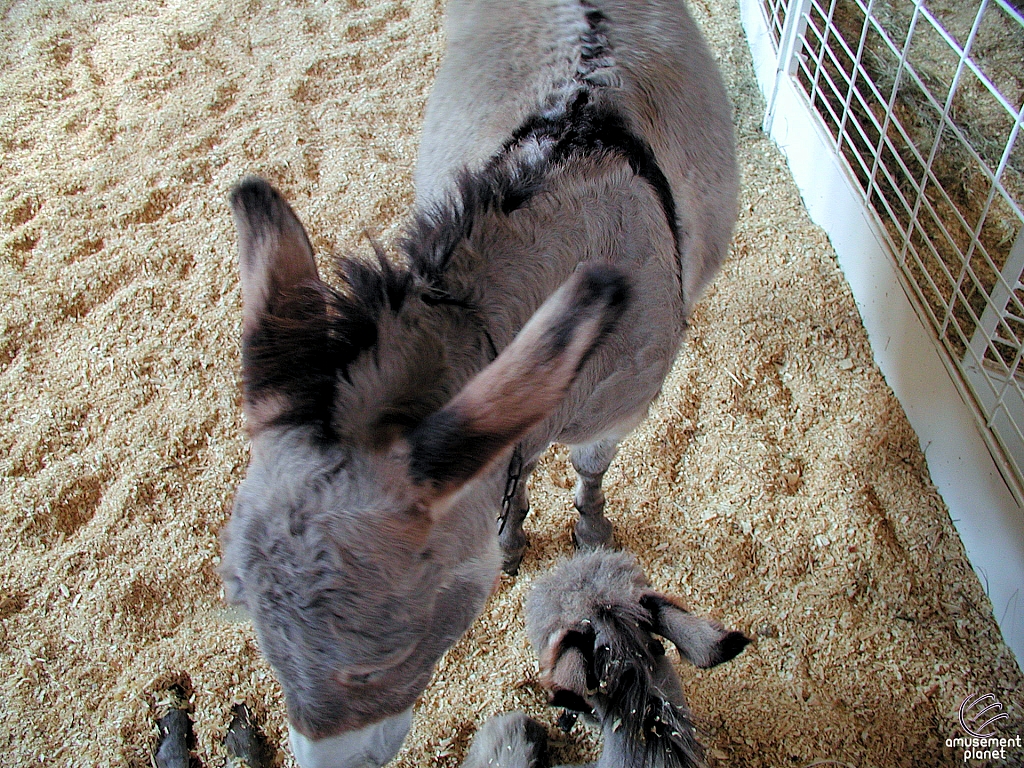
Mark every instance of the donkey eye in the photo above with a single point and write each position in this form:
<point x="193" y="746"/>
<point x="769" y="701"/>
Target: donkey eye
<point x="374" y="670"/>
<point x="359" y="677"/>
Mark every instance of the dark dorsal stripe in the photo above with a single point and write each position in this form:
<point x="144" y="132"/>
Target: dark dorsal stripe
<point x="568" y="132"/>
<point x="584" y="129"/>
<point x="595" y="50"/>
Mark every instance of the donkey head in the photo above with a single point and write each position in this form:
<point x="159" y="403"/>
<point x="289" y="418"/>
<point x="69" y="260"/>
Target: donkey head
<point x="591" y="622"/>
<point x="362" y="561"/>
<point x="602" y="600"/>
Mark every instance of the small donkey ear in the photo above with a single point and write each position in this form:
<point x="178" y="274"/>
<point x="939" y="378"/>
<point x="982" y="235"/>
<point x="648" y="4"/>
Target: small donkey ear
<point x="274" y="252"/>
<point x="234" y="592"/>
<point x="523" y="386"/>
<point x="283" y="309"/>
<point x="703" y="642"/>
<point x="565" y="670"/>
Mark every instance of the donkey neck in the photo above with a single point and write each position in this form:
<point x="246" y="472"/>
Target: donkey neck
<point x="509" y="232"/>
<point x="503" y="257"/>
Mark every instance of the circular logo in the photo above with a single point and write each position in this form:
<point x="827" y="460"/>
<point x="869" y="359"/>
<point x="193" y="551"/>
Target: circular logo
<point x="978" y="712"/>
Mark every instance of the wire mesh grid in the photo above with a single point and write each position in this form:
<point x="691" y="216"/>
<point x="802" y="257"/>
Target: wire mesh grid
<point x="776" y="10"/>
<point x="924" y="101"/>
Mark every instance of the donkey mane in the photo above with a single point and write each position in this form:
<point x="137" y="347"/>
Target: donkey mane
<point x="660" y="729"/>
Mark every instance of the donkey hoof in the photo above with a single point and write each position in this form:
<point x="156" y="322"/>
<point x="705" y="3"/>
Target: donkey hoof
<point x="177" y="739"/>
<point x="592" y="533"/>
<point x="245" y="743"/>
<point x="511" y="560"/>
<point x="513" y="546"/>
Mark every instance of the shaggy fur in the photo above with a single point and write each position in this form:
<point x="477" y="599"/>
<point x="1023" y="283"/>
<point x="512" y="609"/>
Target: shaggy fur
<point x="591" y="622"/>
<point x="575" y="175"/>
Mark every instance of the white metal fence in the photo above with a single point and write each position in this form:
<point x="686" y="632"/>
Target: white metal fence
<point x="924" y="102"/>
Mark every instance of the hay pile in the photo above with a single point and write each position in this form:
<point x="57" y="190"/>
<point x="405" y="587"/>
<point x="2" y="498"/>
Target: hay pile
<point x="776" y="485"/>
<point x="958" y="205"/>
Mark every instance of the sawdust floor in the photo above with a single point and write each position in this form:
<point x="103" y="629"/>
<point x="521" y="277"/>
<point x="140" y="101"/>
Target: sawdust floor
<point x="776" y="486"/>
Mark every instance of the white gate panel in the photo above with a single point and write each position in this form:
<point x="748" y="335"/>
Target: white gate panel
<point x="902" y="125"/>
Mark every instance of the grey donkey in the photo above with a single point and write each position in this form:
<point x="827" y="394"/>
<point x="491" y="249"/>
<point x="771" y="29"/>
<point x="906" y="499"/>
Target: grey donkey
<point x="397" y="414"/>
<point x="592" y="623"/>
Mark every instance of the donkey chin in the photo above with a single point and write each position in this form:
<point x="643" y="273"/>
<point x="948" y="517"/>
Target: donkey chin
<point x="369" y="747"/>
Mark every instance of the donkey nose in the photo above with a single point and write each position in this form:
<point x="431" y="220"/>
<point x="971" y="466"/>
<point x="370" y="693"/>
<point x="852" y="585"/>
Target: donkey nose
<point x="369" y="747"/>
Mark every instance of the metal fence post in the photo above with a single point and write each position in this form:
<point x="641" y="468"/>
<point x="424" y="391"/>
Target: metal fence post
<point x="789" y="47"/>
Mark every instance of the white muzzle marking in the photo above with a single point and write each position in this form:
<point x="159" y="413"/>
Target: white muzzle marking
<point x="369" y="747"/>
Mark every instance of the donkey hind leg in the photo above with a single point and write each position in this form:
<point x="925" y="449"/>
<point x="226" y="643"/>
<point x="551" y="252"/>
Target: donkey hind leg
<point x="510" y="533"/>
<point x="591" y="461"/>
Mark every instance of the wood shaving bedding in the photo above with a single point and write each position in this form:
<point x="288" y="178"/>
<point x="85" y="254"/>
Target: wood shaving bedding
<point x="776" y="485"/>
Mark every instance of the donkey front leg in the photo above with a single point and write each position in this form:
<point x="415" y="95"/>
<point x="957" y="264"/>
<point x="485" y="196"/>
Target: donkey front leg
<point x="591" y="461"/>
<point x="510" y="533"/>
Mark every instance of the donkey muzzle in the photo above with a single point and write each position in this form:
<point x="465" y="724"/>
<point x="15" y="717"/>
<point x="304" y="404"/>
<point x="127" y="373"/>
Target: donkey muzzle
<point x="369" y="747"/>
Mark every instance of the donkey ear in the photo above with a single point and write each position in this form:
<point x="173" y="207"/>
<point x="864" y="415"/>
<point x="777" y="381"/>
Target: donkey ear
<point x="523" y="385"/>
<point x="703" y="642"/>
<point x="567" y="682"/>
<point x="564" y="669"/>
<point x="283" y="309"/>
<point x="234" y="592"/>
<point x="274" y="251"/>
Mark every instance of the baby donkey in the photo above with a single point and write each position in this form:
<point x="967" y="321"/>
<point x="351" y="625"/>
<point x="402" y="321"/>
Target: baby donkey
<point x="592" y="623"/>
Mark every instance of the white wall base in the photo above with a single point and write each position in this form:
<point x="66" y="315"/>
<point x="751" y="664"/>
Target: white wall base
<point x="988" y="519"/>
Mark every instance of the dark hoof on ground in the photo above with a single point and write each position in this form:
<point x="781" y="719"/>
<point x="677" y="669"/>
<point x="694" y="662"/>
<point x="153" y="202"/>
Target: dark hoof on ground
<point x="245" y="742"/>
<point x="513" y="547"/>
<point x="566" y="720"/>
<point x="510" y="562"/>
<point x="591" y="533"/>
<point x="177" y="739"/>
